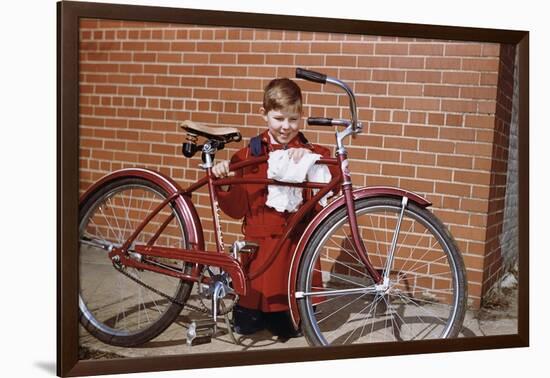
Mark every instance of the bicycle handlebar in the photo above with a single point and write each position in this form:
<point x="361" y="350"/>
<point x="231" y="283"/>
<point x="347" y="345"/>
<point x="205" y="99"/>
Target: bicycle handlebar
<point x="319" y="121"/>
<point x="311" y="76"/>
<point x="317" y="77"/>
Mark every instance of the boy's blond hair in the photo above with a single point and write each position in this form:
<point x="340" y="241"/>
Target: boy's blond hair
<point x="284" y="94"/>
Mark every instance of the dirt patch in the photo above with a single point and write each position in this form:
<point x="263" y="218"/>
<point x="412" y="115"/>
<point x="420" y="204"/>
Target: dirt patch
<point x="85" y="353"/>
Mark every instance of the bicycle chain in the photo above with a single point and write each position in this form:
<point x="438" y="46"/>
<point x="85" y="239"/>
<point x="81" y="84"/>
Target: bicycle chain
<point x="160" y="293"/>
<point x="203" y="309"/>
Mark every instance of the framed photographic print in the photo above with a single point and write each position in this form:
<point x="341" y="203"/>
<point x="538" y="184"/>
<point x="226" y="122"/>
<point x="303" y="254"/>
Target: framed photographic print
<point x="272" y="189"/>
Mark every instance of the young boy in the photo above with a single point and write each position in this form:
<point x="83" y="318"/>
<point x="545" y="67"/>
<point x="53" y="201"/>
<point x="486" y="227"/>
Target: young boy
<point x="267" y="305"/>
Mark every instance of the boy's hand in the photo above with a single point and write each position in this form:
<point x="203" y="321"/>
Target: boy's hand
<point x="221" y="169"/>
<point x="298" y="153"/>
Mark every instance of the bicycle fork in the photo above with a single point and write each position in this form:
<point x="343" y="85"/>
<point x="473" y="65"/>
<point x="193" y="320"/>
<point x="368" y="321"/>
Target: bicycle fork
<point x="379" y="279"/>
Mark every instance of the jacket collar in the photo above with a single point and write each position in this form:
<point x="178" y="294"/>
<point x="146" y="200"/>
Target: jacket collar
<point x="294" y="142"/>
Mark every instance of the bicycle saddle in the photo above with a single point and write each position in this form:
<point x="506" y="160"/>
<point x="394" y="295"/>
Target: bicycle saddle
<point x="222" y="134"/>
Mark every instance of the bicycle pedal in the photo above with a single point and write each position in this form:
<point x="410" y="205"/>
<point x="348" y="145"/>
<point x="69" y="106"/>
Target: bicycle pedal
<point x="200" y="332"/>
<point x="243" y="246"/>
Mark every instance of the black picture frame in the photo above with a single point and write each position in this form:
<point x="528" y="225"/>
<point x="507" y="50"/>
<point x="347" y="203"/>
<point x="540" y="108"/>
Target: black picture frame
<point x="69" y="13"/>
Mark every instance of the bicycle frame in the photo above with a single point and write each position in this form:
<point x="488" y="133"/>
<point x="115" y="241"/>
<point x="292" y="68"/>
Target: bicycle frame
<point x="221" y="259"/>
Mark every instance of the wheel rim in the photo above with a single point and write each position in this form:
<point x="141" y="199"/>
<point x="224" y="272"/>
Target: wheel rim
<point x="421" y="300"/>
<point x="110" y="301"/>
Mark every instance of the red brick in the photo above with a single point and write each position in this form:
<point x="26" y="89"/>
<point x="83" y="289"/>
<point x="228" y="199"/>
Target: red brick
<point x="422" y="104"/>
<point x="441" y="91"/>
<point x="326" y="48"/>
<point x="434" y="173"/>
<point x="398" y="170"/>
<point x="475" y="149"/>
<point x="455" y="133"/>
<point x="157" y="46"/>
<point x="265" y="47"/>
<point x="418" y="158"/>
<point x="436" y="146"/>
<point x="472" y="177"/>
<point x="358" y="48"/>
<point x="387" y="102"/>
<point x="344" y="60"/>
<point x="373" y="61"/>
<point x="436" y="119"/>
<point x="391" y="49"/>
<point x="405" y="89"/>
<point x="480" y="121"/>
<point x="406" y="62"/>
<point x="488" y="107"/>
<point x="223" y="59"/>
<point x="463" y="49"/>
<point x="416" y="185"/>
<point x="418" y="117"/>
<point x="459" y="106"/>
<point x="196" y="58"/>
<point x="489" y="78"/>
<point x="385" y="128"/>
<point x="454" y="120"/>
<point x="370" y="88"/>
<point x="443" y="63"/>
<point x="453" y="161"/>
<point x="382" y="155"/>
<point x="170" y="57"/>
<point x="280" y="59"/>
<point x="401" y="143"/>
<point x="421" y="131"/>
<point x="426" y="49"/>
<point x="211" y="47"/>
<point x="133" y="46"/>
<point x="382" y="115"/>
<point x="461" y="78"/>
<point x="478" y="93"/>
<point x="143" y="79"/>
<point x="183" y="46"/>
<point x="206" y="70"/>
<point x="476" y="205"/>
<point x="482" y="163"/>
<point x="490" y="65"/>
<point x="388" y="75"/>
<point x="398" y="116"/>
<point x="423" y="77"/>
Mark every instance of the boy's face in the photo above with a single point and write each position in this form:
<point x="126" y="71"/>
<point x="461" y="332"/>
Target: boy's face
<point x="282" y="124"/>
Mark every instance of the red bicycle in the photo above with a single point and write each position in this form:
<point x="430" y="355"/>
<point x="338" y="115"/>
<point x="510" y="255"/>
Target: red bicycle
<point x="385" y="267"/>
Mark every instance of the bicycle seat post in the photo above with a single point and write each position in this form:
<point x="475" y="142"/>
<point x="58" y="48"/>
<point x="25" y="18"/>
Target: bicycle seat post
<point x="209" y="150"/>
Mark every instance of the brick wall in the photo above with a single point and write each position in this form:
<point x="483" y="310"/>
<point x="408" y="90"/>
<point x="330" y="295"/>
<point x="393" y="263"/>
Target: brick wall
<point x="432" y="111"/>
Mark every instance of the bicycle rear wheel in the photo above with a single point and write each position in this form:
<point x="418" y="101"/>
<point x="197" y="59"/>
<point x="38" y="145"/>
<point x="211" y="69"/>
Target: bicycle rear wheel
<point x="425" y="297"/>
<point x="118" y="307"/>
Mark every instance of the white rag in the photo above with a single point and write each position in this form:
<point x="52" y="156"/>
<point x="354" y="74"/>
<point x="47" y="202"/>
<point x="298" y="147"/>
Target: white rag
<point x="282" y="167"/>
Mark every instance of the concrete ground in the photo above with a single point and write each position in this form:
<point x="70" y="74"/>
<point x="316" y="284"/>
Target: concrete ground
<point x="498" y="318"/>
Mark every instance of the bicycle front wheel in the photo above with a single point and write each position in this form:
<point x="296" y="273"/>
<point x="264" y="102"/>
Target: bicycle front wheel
<point x="120" y="305"/>
<point x="425" y="293"/>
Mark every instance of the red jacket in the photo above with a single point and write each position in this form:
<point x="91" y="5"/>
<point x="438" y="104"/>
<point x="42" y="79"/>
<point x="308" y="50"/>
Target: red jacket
<point x="264" y="225"/>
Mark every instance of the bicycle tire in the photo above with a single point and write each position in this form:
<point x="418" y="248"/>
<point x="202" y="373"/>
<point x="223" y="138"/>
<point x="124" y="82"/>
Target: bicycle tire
<point x="397" y="312"/>
<point x="99" y="222"/>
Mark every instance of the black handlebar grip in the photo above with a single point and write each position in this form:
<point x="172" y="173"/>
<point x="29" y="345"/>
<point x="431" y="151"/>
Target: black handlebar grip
<point x="311" y="75"/>
<point x="319" y="121"/>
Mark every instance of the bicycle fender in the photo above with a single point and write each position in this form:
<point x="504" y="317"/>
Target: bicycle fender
<point x="183" y="203"/>
<point x="360" y="193"/>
